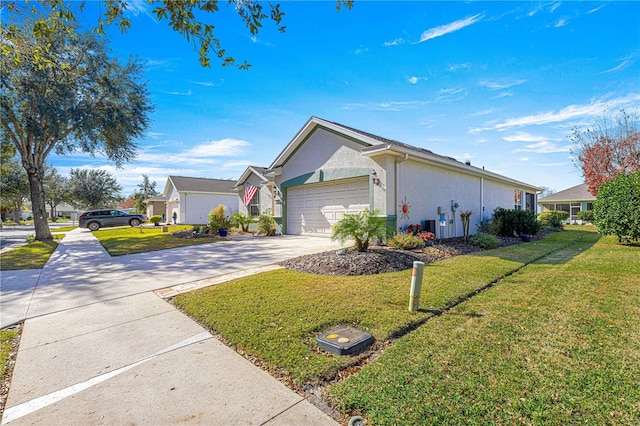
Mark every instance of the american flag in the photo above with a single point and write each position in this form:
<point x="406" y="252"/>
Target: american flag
<point x="249" y="193"/>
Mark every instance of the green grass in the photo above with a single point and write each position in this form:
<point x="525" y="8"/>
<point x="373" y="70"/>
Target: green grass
<point x="276" y="316"/>
<point x="556" y="343"/>
<point x="6" y="340"/>
<point x="129" y="240"/>
<point x="31" y="256"/>
<point x="63" y="229"/>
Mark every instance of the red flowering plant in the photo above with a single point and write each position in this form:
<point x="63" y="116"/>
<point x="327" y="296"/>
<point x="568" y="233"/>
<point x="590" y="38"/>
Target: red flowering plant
<point x="427" y="237"/>
<point x="414" y="229"/>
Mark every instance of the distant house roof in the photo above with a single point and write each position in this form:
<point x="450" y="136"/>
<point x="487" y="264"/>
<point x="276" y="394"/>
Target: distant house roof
<point x="202" y="185"/>
<point x="127" y="204"/>
<point x="575" y="193"/>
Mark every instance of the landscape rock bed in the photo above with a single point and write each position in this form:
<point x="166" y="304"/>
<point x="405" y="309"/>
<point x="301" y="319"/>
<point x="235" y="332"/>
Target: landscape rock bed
<point x="380" y="259"/>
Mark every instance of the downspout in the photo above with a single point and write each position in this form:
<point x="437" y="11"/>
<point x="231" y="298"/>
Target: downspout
<point x="481" y="200"/>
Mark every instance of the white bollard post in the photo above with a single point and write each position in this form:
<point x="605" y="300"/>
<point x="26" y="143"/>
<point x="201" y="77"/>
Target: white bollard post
<point x="416" y="286"/>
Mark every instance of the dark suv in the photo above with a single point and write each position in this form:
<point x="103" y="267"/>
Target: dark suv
<point x="96" y="219"/>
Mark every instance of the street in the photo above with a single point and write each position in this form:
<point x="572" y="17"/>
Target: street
<point x="15" y="235"/>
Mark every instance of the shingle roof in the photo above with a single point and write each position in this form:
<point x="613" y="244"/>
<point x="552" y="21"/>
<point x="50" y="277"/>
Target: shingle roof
<point x="190" y="184"/>
<point x="575" y="193"/>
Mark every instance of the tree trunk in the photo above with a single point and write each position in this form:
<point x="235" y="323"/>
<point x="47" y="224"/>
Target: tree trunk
<point x="38" y="204"/>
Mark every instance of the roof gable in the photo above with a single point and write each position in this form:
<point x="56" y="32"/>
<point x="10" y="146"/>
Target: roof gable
<point x="260" y="172"/>
<point x="202" y="185"/>
<point x="575" y="193"/>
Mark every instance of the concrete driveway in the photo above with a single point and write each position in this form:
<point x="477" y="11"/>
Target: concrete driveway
<point x="81" y="272"/>
<point x="100" y="347"/>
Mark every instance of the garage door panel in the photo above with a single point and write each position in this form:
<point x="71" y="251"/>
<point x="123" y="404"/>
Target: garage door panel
<point x="313" y="209"/>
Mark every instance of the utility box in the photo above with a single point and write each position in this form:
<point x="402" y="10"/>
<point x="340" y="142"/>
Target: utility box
<point x="344" y="340"/>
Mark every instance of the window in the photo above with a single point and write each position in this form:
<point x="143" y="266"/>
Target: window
<point x="254" y="206"/>
<point x="517" y="199"/>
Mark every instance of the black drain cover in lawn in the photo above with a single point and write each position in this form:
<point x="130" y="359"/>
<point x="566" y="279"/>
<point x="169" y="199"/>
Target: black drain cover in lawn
<point x="344" y="340"/>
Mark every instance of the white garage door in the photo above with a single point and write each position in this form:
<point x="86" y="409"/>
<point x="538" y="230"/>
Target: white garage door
<point x="313" y="209"/>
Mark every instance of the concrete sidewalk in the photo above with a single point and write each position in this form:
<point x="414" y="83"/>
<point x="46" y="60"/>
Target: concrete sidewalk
<point x="100" y="347"/>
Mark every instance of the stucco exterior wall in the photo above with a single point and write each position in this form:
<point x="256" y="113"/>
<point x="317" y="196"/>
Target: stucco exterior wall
<point x="324" y="150"/>
<point x="426" y="187"/>
<point x="266" y="198"/>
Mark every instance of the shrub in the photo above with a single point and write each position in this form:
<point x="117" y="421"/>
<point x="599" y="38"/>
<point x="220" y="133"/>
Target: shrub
<point x="553" y="218"/>
<point x="617" y="207"/>
<point x="426" y="236"/>
<point x="218" y="219"/>
<point x="515" y="222"/>
<point x="266" y="223"/>
<point x="485" y="241"/>
<point x="585" y="215"/>
<point x="405" y="241"/>
<point x="361" y="227"/>
<point x="155" y="219"/>
<point x="242" y="221"/>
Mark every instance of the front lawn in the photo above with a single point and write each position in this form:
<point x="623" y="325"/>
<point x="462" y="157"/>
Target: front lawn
<point x="31" y="256"/>
<point x="556" y="343"/>
<point x="276" y="316"/>
<point x="129" y="240"/>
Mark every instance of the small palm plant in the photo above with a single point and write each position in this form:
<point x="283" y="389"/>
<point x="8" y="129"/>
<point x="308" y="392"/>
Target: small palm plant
<point x="242" y="221"/>
<point x="360" y="227"/>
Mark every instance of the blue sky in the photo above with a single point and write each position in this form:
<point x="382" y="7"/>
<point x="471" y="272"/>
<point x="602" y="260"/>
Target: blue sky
<point x="500" y="84"/>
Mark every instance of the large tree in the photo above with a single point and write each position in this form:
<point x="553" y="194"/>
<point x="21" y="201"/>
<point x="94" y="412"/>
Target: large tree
<point x="609" y="148"/>
<point x="64" y="93"/>
<point x="146" y="190"/>
<point x="194" y="19"/>
<point x="94" y="189"/>
<point x="56" y="190"/>
<point x="14" y="187"/>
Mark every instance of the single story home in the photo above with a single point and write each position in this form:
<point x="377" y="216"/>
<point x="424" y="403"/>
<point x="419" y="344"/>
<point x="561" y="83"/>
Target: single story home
<point x="191" y="199"/>
<point x="571" y="200"/>
<point x="329" y="169"/>
<point x="157" y="206"/>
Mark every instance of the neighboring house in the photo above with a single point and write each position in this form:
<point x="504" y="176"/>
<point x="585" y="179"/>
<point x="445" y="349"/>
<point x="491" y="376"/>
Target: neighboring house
<point x="157" y="206"/>
<point x="570" y="200"/>
<point x="191" y="199"/>
<point x="329" y="169"/>
<point x="263" y="199"/>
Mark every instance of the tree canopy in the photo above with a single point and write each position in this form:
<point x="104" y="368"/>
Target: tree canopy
<point x="146" y="190"/>
<point x="94" y="189"/>
<point x="193" y="19"/>
<point x="64" y="93"/>
<point x="609" y="148"/>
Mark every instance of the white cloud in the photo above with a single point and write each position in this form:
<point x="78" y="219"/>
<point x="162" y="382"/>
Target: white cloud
<point x="207" y="83"/>
<point x="449" y="28"/>
<point x="415" y="80"/>
<point x="625" y="61"/>
<point x="220" y="148"/>
<point x="499" y="85"/>
<point x="561" y="23"/>
<point x="360" y="50"/>
<point x="395" y="42"/>
<point x="526" y="137"/>
<point x="570" y="112"/>
<point x="544" y="147"/>
<point x="187" y="93"/>
<point x="456" y="67"/>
